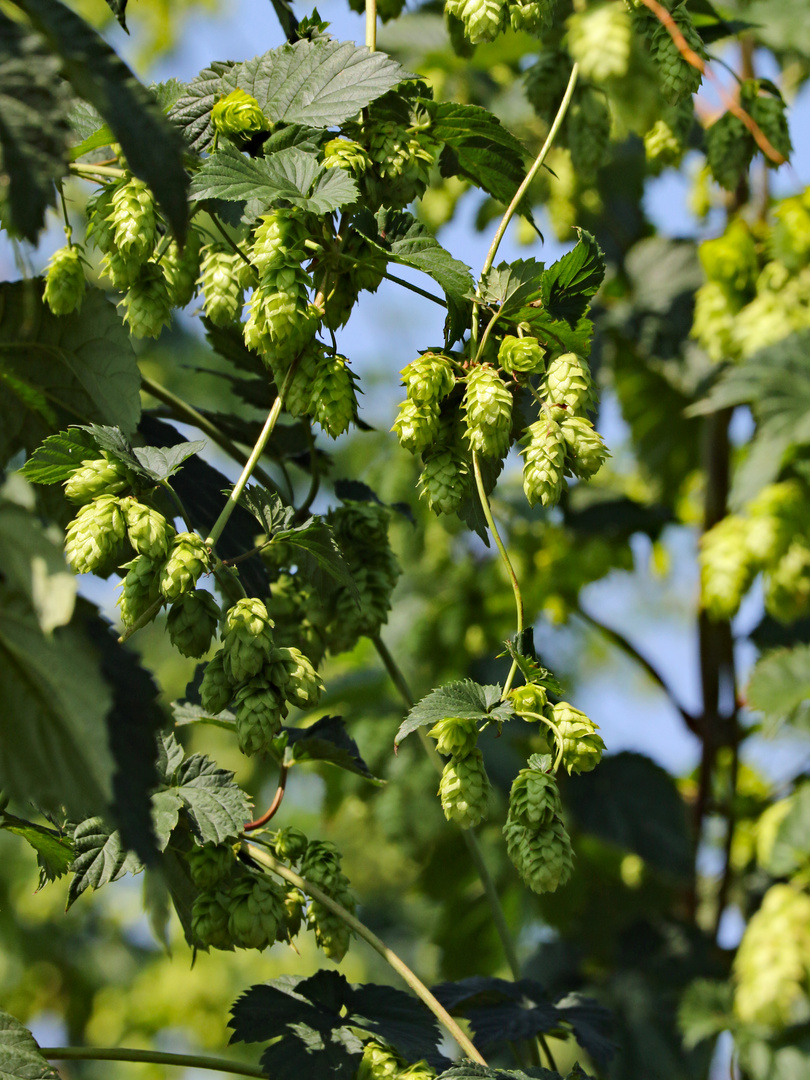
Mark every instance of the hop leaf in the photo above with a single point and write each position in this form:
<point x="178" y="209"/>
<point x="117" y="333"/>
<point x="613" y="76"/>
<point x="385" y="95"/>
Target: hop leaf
<point x="581" y="747"/>
<point x="192" y="622"/>
<point x="544" y="462"/>
<point x="95" y="534"/>
<point x="216" y="690"/>
<point x="525" y="355"/>
<point x="139" y="590"/>
<point x="454" y="737"/>
<point x="187" y="560"/>
<point x="238" y="116"/>
<point x="255" y="912"/>
<point x="64" y="281"/>
<point x="464" y="790"/>
<point x="149" y="532"/>
<point x="210" y="864"/>
<point x="97" y="476"/>
<point x="147" y="304"/>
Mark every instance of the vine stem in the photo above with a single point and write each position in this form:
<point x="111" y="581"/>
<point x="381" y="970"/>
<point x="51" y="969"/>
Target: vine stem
<point x="147" y="617"/>
<point x="507" y="562"/>
<point x="159" y="1057"/>
<point x="250" y="464"/>
<point x="272" y="809"/>
<point x="415" y="289"/>
<point x="399" y="965"/>
<point x="371" y="25"/>
<point x="91" y="170"/>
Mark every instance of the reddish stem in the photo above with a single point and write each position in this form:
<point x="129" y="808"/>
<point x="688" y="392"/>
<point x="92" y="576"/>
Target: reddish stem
<point x="272" y="809"/>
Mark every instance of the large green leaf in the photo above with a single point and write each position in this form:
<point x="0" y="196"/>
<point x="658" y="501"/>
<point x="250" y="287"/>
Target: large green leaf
<point x="326" y="740"/>
<point x="509" y="286"/>
<point x="60" y="455"/>
<point x="100" y="858"/>
<point x="780" y="687"/>
<point x="569" y="284"/>
<point x="20" y="1057"/>
<point x="479" y="148"/>
<point x="465" y="699"/>
<point x="152" y="146"/>
<point x="54" y="851"/>
<point x="34" y="565"/>
<point x="57" y="370"/>
<point x="34" y="130"/>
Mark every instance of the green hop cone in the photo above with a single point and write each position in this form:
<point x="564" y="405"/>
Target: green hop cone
<point x="133" y="220"/>
<point x="298" y="395"/>
<point x="333" y="395"/>
<point x="679" y="78"/>
<point x="774" y="516"/>
<point x="586" y="452"/>
<point x="546" y="80"/>
<point x="665" y="142"/>
<point x="726" y="567"/>
<point x="188" y="559"/>
<point x="321" y="866"/>
<point x="299" y="616"/>
<point x="420" y="1070"/>
<point x="192" y="622"/>
<point x="255" y="912"/>
<point x="600" y="40"/>
<point x="582" y="748"/>
<point x="294" y="904"/>
<point x="290" y="844"/>
<point x="769" y="113"/>
<point x="544" y="462"/>
<point x="528" y="699"/>
<point x="379" y="1062"/>
<point x="209" y="921"/>
<point x="543" y="857"/>
<point x="483" y="19"/>
<point x="304" y="685"/>
<point x="139" y="589"/>
<point x="216" y="690"/>
<point x="731" y="259"/>
<point x="568" y="382"/>
<point x="534" y="799"/>
<point x="464" y="790"/>
<point x="713" y="325"/>
<point x="454" y="737"/>
<point x="181" y="269"/>
<point x="772" y="965"/>
<point x="122" y="270"/>
<point x="149" y="532"/>
<point x="402" y="159"/>
<point x="99" y="226"/>
<point x="787" y="586"/>
<point x="147" y="304"/>
<point x="259" y="708"/>
<point x="220" y="281"/>
<point x="210" y="864"/>
<point x="278" y="240"/>
<point x="332" y="935"/>
<point x="95" y="534"/>
<point x="531" y="15"/>
<point x="97" y="476"/>
<point x="790" y="235"/>
<point x="281" y="319"/>
<point x="429" y="378"/>
<point x="417" y="425"/>
<point x="64" y="281"/>
<point x="247" y="640"/>
<point x="729" y="150"/>
<point x="444" y="480"/>
<point x="346" y="154"/>
<point x="238" y="116"/>
<point x="522" y="355"/>
<point x="487" y="412"/>
<point x="588" y="127"/>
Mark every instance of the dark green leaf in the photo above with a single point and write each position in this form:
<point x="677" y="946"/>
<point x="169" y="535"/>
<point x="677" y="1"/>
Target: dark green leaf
<point x="523" y="653"/>
<point x="780" y="687"/>
<point x="466" y="700"/>
<point x="20" y="1057"/>
<point x="118" y="8"/>
<point x="152" y="146"/>
<point x="192" y="111"/>
<point x="266" y="506"/>
<point x="326" y="740"/>
<point x="33" y="566"/>
<point x="568" y="285"/>
<point x="160" y="463"/>
<point x="317" y="541"/>
<point x="592" y="1025"/>
<point x="100" y="858"/>
<point x="59" y="456"/>
<point x="511" y="286"/>
<point x="471" y="1071"/>
<point x="54" y="851"/>
<point x="396" y="1017"/>
<point x="301" y="135"/>
<point x="481" y="148"/>
<point x="217" y="808"/>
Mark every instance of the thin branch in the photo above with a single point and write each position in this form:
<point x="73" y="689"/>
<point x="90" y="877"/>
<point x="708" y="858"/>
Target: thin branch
<point x="231" y="242"/>
<point x="371" y="24"/>
<point x="415" y="289"/>
<point x="159" y="1057"/>
<point x="731" y="823"/>
<point x="147" y="617"/>
<point x="102" y="170"/>
<point x="274" y="805"/>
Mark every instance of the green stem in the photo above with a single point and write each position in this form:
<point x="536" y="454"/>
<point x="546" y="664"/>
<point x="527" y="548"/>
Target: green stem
<point x="158" y="1057"/>
<point x="147" y="617"/>
<point x="507" y="562"/>
<point x="480" y="351"/>
<point x="101" y="170"/>
<point x="68" y="226"/>
<point x="371" y="24"/>
<point x="178" y="504"/>
<point x="231" y="242"/>
<point x="415" y="289"/>
<point x="401" y="968"/>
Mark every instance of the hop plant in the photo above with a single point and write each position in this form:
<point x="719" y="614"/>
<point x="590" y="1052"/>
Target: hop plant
<point x="247" y="641"/>
<point x="543" y="858"/>
<point x="531" y="15"/>
<point x="133" y="219"/>
<point x="139" y="590"/>
<point x="586" y="452"/>
<point x="454" y="737"/>
<point x="588" y="127"/>
<point x="290" y="844"/>
<point x="304" y="685"/>
<point x="99" y="227"/>
<point x="255" y="911"/>
<point x="790" y="235"/>
<point x="487" y="412"/>
<point x="417" y="425"/>
<point x="95" y="534"/>
<point x="299" y="616"/>
<point x="600" y="40"/>
<point x="209" y="921"/>
<point x="64" y="281"/>
<point x="429" y="378"/>
<point x="731" y="259"/>
<point x="192" y="622"/>
<point x="726" y="567"/>
<point x="679" y="78"/>
<point x="528" y="699"/>
<point x="581" y="747"/>
<point x="210" y="865"/>
<point x="188" y="559"/>
<point x="772" y="965"/>
<point x="546" y="80"/>
<point x="728" y="150"/>
<point x="768" y="112"/>
<point x="544" y="462"/>
<point x="181" y="269"/>
<point x="294" y="904"/>
<point x="444" y="479"/>
<point x="568" y="382"/>
<point x="147" y="304"/>
<point x="346" y="154"/>
<point x="525" y="356"/>
<point x="281" y="319"/>
<point x="148" y="530"/>
<point x="298" y="394"/>
<point x="534" y="800"/>
<point x="333" y="395"/>
<point x="238" y="116"/>
<point x="464" y="790"/>
<point x="483" y="20"/>
<point x="259" y="710"/>
<point x="97" y="476"/>
<point x="367" y="263"/>
<point x="221" y="287"/>
<point x="216" y="689"/>
<point x="787" y="586"/>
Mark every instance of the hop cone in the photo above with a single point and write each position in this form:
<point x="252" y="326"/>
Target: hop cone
<point x="483" y="19"/>
<point x="581" y="747"/>
<point x="600" y="40"/>
<point x="215" y="689"/>
<point x="679" y="78"/>
<point x="259" y="711"/>
<point x="568" y="382"/>
<point x="379" y="1062"/>
<point x="97" y="476"/>
<point x="543" y="858"/>
<point x="64" y="281"/>
<point x="464" y="790"/>
<point x="772" y="965"/>
<point x="665" y="142"/>
<point x="294" y="904"/>
<point x="209" y="921"/>
<point x="149" y="532"/>
<point x="192" y="622"/>
<point x="247" y="640"/>
<point x="332" y="935"/>
<point x="321" y="866"/>
<point x="375" y="582"/>
<point x="299" y="617"/>
<point x="487" y="412"/>
<point x="95" y="534"/>
<point x="528" y="699"/>
<point x="420" y="1070"/>
<point x="443" y="481"/>
<point x="99" y="227"/>
<point x="238" y="116"/>
<point x="531" y="15"/>
<point x="333" y="396"/>
<point x="281" y="319"/>
<point x="360" y="525"/>
<point x="181" y="269"/>
<point x="298" y="395"/>
<point x="219" y="278"/>
<point x="133" y="220"/>
<point x="534" y="799"/>
<point x="769" y="113"/>
<point x="454" y="737"/>
<point x="429" y="378"/>
<point x="726" y="567"/>
<point x="255" y="912"/>
<point x="546" y="80"/>
<point x="524" y="355"/>
<point x="714" y="320"/>
<point x="544" y="462"/>
<point x="122" y="270"/>
<point x="211" y="864"/>
<point x="278" y="241"/>
<point x="787" y="588"/>
<point x="586" y="452"/>
<point x="346" y="154"/>
<point x="290" y="844"/>
<point x="790" y="235"/>
<point x="139" y="590"/>
<point x="402" y="159"/>
<point x="187" y="560"/>
<point x="728" y="150"/>
<point x="775" y="515"/>
<point x="304" y="685"/>
<point x="417" y="425"/>
<point x="731" y="259"/>
<point x="147" y="304"/>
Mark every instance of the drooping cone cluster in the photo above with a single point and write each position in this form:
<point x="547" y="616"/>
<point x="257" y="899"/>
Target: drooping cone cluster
<point x="64" y="280"/>
<point x="464" y="788"/>
<point x="320" y="865"/>
<point x="536" y="838"/>
<point x="381" y="1062"/>
<point x="483" y="20"/>
<point x="581" y="747"/>
<point x="236" y="907"/>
